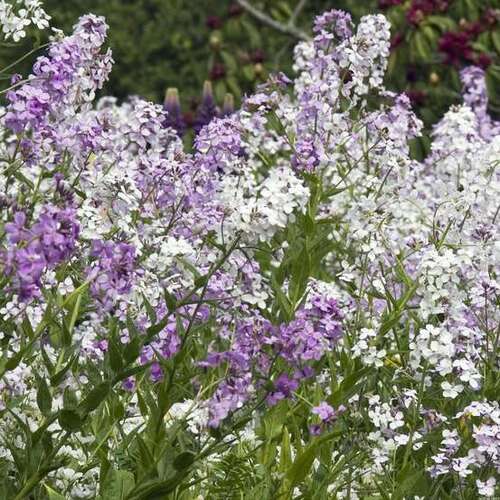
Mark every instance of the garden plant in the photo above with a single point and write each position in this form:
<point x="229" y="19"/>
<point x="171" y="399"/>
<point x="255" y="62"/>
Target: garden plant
<point x="293" y="308"/>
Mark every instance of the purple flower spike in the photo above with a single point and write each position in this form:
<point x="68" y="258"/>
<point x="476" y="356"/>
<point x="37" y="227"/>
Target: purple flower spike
<point x="174" y="117"/>
<point x="207" y="110"/>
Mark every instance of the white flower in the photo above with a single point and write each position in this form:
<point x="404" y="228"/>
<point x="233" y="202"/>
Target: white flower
<point x="451" y="391"/>
<point x="16" y="15"/>
<point x="486" y="488"/>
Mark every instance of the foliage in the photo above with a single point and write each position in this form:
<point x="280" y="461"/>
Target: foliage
<point x="223" y="43"/>
<point x="432" y="41"/>
<point x="294" y="309"/>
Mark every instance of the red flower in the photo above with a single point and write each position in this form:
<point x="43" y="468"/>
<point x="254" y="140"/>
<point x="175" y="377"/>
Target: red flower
<point x="257" y="56"/>
<point x="386" y="4"/>
<point x="421" y="8"/>
<point x="483" y="60"/>
<point x="217" y="72"/>
<point x="417" y="97"/>
<point x="234" y="10"/>
<point x="490" y="17"/>
<point x="396" y="40"/>
<point x="455" y="46"/>
<point x="214" y="22"/>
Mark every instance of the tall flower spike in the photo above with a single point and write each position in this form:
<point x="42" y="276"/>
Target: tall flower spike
<point x="172" y="106"/>
<point x="207" y="109"/>
<point x="228" y="105"/>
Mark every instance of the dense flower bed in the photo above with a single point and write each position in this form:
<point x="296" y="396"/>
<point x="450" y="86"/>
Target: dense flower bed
<point x="295" y="309"/>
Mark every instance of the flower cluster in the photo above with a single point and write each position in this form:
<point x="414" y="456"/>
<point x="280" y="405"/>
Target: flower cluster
<point x="297" y="286"/>
<point x="33" y="250"/>
<point x="17" y="15"/>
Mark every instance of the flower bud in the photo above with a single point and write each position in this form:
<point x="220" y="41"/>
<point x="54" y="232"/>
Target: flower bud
<point x="434" y="78"/>
<point x="207" y="109"/>
<point x="228" y="105"/>
<point x="172" y="106"/>
<point x="258" y="69"/>
<point x="214" y="22"/>
<point x="218" y="71"/>
<point x="234" y="10"/>
<point x="215" y="42"/>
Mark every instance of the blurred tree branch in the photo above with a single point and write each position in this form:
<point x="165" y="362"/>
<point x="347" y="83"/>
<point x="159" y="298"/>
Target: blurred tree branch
<point x="288" y="29"/>
<point x="296" y="12"/>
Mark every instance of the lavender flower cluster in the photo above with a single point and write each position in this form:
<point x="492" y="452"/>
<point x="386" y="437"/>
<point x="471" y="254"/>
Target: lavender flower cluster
<point x="298" y="263"/>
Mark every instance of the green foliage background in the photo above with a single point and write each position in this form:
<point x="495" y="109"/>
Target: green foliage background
<point x="167" y="43"/>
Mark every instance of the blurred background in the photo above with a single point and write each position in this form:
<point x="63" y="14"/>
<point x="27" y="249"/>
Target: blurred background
<point x="160" y="44"/>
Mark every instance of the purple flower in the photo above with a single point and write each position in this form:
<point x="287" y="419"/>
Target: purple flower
<point x="50" y="241"/>
<point x="256" y="342"/>
<point x="305" y="157"/>
<point x="284" y="386"/>
<point x="219" y="144"/>
<point x="67" y="77"/>
<point x="174" y="117"/>
<point x="16" y="231"/>
<point x="324" y="411"/>
<point x="113" y="272"/>
<point x="207" y="109"/>
<point x="229" y="396"/>
<point x="338" y="21"/>
<point x="475" y="95"/>
<point x="315" y="429"/>
<point x="156" y="372"/>
<point x="129" y="384"/>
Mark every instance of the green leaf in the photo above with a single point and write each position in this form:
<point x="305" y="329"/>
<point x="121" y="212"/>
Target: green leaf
<point x="441" y="22"/>
<point x="95" y="397"/>
<point x="70" y="302"/>
<point x="183" y="460"/>
<point x="406" y="483"/>
<point x="118" y="484"/>
<point x="201" y="281"/>
<point x="254" y="36"/>
<point x="132" y="350"/>
<point x="157" y="489"/>
<point x="70" y="420"/>
<point x="149" y="309"/>
<point x="304" y="460"/>
<point x="59" y="376"/>
<point x="421" y="45"/>
<point x="300" y="272"/>
<point x="132" y="329"/>
<point x="229" y="61"/>
<point x="27" y="329"/>
<point x="70" y="400"/>
<point x="114" y="356"/>
<point x="283" y="301"/>
<point x="495" y="38"/>
<point x="220" y="90"/>
<point x="154" y="330"/>
<point x="286" y="453"/>
<point x="43" y="396"/>
<point x="249" y="73"/>
<point x="170" y="301"/>
<point x="53" y="495"/>
<point x="74" y="313"/>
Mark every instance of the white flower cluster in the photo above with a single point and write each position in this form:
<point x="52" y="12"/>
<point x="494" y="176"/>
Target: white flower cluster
<point x="390" y="433"/>
<point x="261" y="209"/>
<point x="17" y="15"/>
